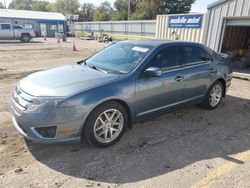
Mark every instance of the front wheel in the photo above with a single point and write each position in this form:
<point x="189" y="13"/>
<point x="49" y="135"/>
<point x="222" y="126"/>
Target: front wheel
<point x="106" y="124"/>
<point x="214" y="96"/>
<point x="25" y="38"/>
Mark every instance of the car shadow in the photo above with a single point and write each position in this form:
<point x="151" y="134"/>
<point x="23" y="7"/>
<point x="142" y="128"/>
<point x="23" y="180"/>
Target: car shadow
<point x="158" y="146"/>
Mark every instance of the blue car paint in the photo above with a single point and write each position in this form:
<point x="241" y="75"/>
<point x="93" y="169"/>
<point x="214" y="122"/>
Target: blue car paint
<point x="88" y="88"/>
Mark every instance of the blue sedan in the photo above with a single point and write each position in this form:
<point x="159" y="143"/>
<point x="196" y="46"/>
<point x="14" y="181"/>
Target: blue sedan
<point x="98" y="98"/>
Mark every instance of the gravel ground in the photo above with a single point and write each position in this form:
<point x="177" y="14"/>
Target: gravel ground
<point x="192" y="147"/>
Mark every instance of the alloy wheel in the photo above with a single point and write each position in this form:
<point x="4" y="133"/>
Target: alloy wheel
<point x="108" y="125"/>
<point x="215" y="95"/>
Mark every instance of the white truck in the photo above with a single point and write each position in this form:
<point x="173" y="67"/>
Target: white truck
<point x="15" y="32"/>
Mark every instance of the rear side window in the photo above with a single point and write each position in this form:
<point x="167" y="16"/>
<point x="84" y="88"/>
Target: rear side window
<point x="5" y="26"/>
<point x="193" y="54"/>
<point x="165" y="58"/>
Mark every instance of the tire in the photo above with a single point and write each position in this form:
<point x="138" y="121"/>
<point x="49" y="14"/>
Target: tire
<point x="25" y="38"/>
<point x="99" y="130"/>
<point x="213" y="96"/>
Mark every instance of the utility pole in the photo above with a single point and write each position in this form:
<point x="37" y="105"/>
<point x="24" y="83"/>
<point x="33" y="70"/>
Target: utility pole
<point x="5" y="4"/>
<point x="129" y="3"/>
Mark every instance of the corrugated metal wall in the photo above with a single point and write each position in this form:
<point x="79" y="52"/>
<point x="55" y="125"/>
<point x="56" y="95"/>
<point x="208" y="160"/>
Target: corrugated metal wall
<point x="218" y="14"/>
<point x="133" y="28"/>
<point x="164" y="32"/>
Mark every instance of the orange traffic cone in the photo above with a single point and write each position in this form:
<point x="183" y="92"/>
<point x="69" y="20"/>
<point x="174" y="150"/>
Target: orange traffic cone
<point x="74" y="46"/>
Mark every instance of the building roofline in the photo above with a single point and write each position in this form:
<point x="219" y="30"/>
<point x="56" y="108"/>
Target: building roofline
<point x="216" y="3"/>
<point x="28" y="14"/>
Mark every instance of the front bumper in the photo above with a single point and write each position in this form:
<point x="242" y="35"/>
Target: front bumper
<point x="33" y="35"/>
<point x="31" y="134"/>
<point x="68" y="123"/>
<point x="61" y="124"/>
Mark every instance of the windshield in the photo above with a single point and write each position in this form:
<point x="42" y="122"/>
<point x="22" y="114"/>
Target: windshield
<point x="120" y="57"/>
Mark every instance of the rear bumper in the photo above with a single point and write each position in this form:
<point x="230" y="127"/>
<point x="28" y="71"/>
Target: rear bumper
<point x="229" y="80"/>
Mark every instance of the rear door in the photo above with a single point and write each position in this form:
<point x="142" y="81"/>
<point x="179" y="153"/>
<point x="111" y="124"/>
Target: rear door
<point x="197" y="69"/>
<point x="158" y="93"/>
<point x="6" y="31"/>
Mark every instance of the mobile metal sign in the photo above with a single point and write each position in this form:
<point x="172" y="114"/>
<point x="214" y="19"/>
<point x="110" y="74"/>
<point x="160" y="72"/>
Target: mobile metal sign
<point x="185" y="21"/>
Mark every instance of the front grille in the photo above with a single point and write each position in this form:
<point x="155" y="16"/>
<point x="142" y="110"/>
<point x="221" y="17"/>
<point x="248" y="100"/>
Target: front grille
<point x="21" y="100"/>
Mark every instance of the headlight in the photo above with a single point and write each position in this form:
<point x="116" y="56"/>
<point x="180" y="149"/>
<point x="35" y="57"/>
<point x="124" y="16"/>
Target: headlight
<point x="43" y="104"/>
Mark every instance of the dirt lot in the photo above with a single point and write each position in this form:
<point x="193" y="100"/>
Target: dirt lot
<point x="189" y="148"/>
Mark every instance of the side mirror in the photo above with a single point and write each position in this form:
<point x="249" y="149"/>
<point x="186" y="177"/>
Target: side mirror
<point x="153" y="72"/>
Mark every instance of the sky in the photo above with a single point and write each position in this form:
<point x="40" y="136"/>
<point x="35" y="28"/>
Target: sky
<point x="198" y="6"/>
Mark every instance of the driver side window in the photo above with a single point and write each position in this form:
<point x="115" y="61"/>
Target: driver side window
<point x="165" y="58"/>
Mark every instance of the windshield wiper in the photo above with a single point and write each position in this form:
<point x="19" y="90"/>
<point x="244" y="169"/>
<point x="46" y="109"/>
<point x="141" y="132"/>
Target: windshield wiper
<point x="81" y="62"/>
<point x="98" y="69"/>
<point x="92" y="67"/>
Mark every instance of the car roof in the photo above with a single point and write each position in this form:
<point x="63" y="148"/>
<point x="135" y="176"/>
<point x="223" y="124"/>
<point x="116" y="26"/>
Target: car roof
<point x="156" y="42"/>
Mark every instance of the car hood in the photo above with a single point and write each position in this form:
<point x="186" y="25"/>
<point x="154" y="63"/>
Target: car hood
<point x="64" y="81"/>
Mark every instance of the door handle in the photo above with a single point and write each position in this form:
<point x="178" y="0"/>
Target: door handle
<point x="212" y="70"/>
<point x="179" y="78"/>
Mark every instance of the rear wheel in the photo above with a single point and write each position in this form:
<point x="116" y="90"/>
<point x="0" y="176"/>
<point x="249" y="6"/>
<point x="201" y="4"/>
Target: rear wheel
<point x="214" y="96"/>
<point x="25" y="38"/>
<point x="106" y="124"/>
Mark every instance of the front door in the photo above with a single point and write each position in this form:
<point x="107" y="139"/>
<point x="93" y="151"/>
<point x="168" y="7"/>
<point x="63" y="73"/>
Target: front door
<point x="158" y="93"/>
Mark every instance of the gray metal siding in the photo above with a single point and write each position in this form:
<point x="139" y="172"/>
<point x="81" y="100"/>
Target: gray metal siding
<point x="134" y="28"/>
<point x="218" y="16"/>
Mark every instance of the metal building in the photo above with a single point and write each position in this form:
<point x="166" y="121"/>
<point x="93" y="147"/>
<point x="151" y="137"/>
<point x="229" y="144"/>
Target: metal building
<point x="40" y="22"/>
<point x="228" y="25"/>
<point x="189" y="27"/>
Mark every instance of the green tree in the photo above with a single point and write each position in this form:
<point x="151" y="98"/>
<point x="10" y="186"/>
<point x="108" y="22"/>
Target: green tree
<point x="21" y="4"/>
<point x="103" y="12"/>
<point x="52" y="7"/>
<point x="121" y="10"/>
<point x="87" y="12"/>
<point x="67" y="6"/>
<point x="148" y="9"/>
<point x="41" y="6"/>
<point x="175" y="6"/>
<point x="1" y="5"/>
